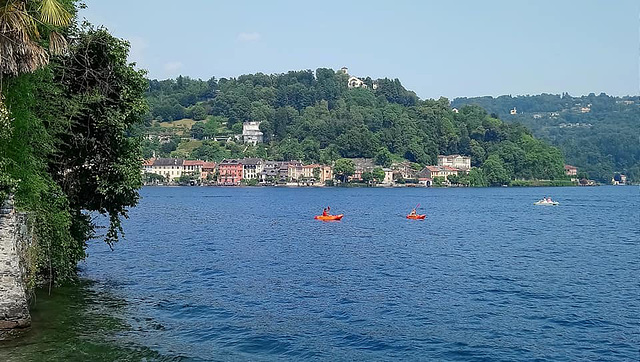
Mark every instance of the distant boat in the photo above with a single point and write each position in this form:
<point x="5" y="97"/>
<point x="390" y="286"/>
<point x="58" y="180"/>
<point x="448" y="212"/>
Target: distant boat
<point x="544" y="202"/>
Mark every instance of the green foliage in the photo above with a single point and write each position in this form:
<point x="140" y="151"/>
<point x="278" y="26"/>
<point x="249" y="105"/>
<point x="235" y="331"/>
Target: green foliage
<point x="250" y="182"/>
<point x="384" y="157"/>
<point x="71" y="150"/>
<point x="316" y="118"/>
<point x="344" y="168"/>
<point x="599" y="142"/>
<point x="477" y="178"/>
<point x="378" y="174"/>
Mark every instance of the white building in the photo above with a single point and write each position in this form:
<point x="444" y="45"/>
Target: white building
<point x="251" y="168"/>
<point x="251" y="133"/>
<point x="388" y="176"/>
<point x="355" y="82"/>
<point x="462" y="163"/>
<point x="170" y="168"/>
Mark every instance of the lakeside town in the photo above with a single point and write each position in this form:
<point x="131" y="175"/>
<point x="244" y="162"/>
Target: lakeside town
<point x="364" y="171"/>
<point x="256" y="171"/>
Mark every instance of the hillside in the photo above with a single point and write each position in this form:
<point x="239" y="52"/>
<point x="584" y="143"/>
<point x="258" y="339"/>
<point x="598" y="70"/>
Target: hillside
<point x="600" y="134"/>
<point x="317" y="117"/>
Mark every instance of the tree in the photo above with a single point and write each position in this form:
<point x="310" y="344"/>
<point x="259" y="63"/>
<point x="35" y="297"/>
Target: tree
<point x="453" y="179"/>
<point x="477" y="178"/>
<point x="237" y="128"/>
<point x="378" y="174"/>
<point x="383" y="157"/>
<point x="96" y="165"/>
<point x="23" y="24"/>
<point x="367" y="177"/>
<point x="495" y="171"/>
<point x="344" y="168"/>
<point x="197" y="130"/>
<point x="198" y="112"/>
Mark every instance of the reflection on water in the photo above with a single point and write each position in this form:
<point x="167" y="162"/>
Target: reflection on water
<point x="75" y="323"/>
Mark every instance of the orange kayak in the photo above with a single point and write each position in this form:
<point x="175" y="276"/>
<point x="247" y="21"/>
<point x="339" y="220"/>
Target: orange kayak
<point x="416" y="217"/>
<point x="328" y="217"/>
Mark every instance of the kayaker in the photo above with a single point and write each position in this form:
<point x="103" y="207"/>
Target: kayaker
<point x="325" y="211"/>
<point x="413" y="212"/>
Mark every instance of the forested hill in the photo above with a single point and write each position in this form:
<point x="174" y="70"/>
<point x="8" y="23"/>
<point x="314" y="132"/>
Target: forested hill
<point x="598" y="133"/>
<point x="316" y="117"/>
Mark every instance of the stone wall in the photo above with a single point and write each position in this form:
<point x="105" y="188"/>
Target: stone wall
<point x="15" y="240"/>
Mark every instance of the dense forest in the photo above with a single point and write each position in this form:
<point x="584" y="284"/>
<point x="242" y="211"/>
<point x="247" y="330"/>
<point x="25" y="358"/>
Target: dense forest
<point x="315" y="117"/>
<point x="69" y="101"/>
<point x="599" y="134"/>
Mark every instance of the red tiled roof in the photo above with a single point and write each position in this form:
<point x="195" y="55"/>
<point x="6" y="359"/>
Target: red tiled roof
<point x="148" y="162"/>
<point x="193" y="162"/>
<point x="209" y="165"/>
<point x="569" y="167"/>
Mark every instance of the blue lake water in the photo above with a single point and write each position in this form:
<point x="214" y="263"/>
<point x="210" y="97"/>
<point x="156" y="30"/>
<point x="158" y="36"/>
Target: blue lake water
<point x="247" y="274"/>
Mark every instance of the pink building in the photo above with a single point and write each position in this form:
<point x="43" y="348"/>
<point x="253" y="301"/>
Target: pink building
<point x="230" y="172"/>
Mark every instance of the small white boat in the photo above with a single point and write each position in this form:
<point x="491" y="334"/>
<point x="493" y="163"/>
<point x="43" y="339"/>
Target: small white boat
<point x="544" y="202"/>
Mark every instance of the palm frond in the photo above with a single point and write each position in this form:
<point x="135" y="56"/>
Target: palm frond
<point x="53" y="13"/>
<point x="57" y="43"/>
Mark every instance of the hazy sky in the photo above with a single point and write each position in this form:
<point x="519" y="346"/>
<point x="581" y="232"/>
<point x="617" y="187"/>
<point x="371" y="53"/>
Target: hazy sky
<point x="436" y="48"/>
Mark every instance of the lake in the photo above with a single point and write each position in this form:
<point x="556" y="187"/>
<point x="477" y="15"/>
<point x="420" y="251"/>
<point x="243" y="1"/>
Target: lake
<point x="246" y="274"/>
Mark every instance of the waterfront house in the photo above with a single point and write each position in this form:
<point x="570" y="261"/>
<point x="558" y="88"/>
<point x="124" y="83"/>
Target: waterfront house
<point x="208" y="170"/>
<point x="270" y="172"/>
<point x="170" y="168"/>
<point x="459" y="162"/>
<point x="251" y="133"/>
<point x="294" y="170"/>
<point x="404" y="169"/>
<point x="424" y="177"/>
<point x="388" y="176"/>
<point x="192" y="166"/>
<point x="570" y="170"/>
<point x="251" y="168"/>
<point x="147" y="166"/>
<point x="230" y="172"/>
<point x="438" y="171"/>
<point x="362" y="165"/>
<point x="323" y="172"/>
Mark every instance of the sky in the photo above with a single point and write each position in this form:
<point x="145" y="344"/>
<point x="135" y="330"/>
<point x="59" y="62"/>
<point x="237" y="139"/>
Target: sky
<point x="436" y="48"/>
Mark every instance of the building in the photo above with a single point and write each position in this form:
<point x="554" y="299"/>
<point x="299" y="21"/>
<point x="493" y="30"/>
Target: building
<point x="170" y="168"/>
<point x="208" y="171"/>
<point x="192" y="166"/>
<point x="570" y="170"/>
<point x="229" y="172"/>
<point x="403" y="169"/>
<point x="585" y="109"/>
<point x="362" y="165"/>
<point x="455" y="110"/>
<point x="294" y="170"/>
<point x="271" y="172"/>
<point x="388" y="176"/>
<point x="513" y="111"/>
<point x="355" y="82"/>
<point x="438" y="171"/>
<point x="147" y="166"/>
<point x="323" y="173"/>
<point x="251" y="133"/>
<point x="251" y="168"/>
<point x="461" y="163"/>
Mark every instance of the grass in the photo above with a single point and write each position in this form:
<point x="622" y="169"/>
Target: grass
<point x="182" y="126"/>
<point x="188" y="146"/>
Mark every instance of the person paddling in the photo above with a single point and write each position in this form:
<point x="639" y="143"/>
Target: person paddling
<point x="325" y="211"/>
<point x="413" y="212"/>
